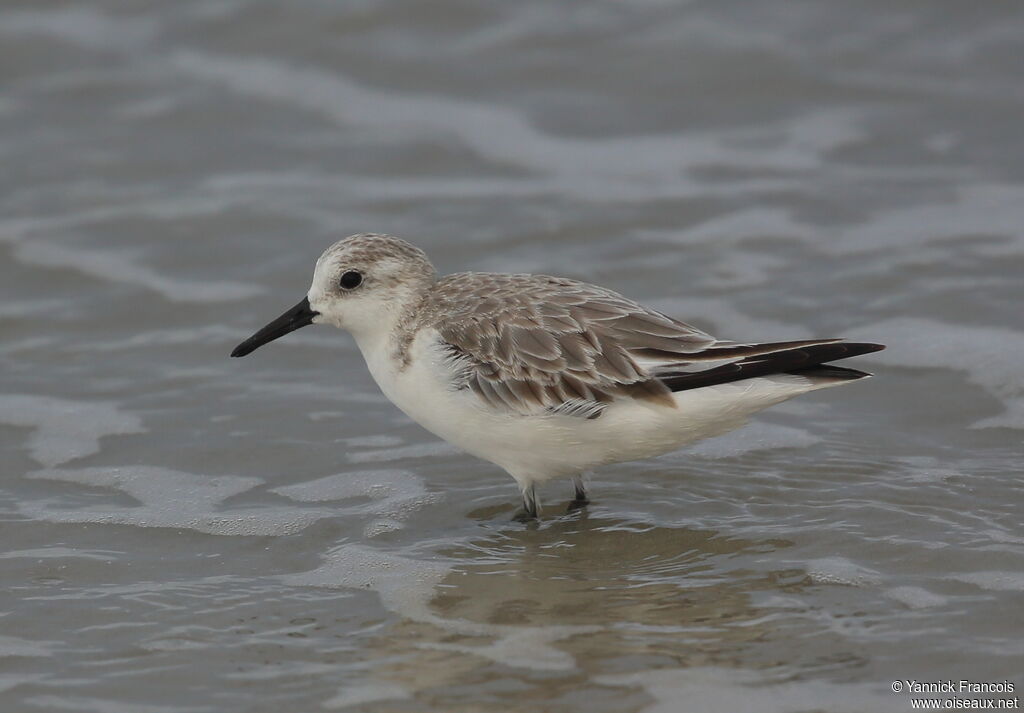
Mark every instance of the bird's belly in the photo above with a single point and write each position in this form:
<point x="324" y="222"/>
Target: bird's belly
<point x="427" y="397"/>
<point x="539" y="447"/>
<point x="530" y="448"/>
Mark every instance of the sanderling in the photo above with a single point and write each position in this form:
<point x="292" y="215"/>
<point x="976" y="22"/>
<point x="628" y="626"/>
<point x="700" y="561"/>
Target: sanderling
<point x="544" y="376"/>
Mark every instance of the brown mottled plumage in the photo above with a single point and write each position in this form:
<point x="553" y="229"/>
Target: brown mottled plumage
<point x="530" y="343"/>
<point x="535" y="343"/>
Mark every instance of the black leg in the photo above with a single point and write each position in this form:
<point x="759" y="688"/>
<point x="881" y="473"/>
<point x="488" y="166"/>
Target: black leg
<point x="580" y="499"/>
<point x="531" y="506"/>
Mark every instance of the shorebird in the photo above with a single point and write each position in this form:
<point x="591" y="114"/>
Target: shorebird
<point x="544" y="376"/>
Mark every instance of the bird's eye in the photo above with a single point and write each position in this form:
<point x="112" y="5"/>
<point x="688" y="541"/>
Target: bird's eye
<point x="350" y="280"/>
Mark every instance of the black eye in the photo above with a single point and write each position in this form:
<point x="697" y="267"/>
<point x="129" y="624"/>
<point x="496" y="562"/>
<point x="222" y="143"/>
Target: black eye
<point x="350" y="280"/>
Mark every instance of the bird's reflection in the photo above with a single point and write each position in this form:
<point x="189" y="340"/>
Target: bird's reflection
<point x="604" y="593"/>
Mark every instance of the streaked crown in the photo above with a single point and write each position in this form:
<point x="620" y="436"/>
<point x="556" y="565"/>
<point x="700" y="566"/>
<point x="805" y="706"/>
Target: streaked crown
<point x="389" y="258"/>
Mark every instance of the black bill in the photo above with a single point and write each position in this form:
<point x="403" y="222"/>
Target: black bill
<point x="298" y="316"/>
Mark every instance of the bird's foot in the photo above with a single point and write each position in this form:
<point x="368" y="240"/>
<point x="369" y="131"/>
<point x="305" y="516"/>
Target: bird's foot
<point x="531" y="506"/>
<point x="524" y="515"/>
<point x="579" y="494"/>
<point x="577" y="504"/>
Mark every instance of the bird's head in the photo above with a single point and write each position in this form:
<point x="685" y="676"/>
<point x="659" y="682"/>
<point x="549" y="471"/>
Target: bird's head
<point x="361" y="284"/>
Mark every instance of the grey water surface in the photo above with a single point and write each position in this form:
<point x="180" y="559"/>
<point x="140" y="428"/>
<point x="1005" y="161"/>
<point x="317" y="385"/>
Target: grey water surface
<point x="186" y="532"/>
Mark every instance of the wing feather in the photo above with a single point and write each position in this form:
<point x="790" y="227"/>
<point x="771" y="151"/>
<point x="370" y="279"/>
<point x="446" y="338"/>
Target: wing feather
<point x="531" y="344"/>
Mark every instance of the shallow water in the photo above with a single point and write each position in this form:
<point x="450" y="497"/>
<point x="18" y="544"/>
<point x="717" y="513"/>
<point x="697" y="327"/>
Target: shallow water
<point x="186" y="532"/>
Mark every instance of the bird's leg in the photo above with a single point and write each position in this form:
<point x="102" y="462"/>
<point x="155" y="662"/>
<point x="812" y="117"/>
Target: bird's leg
<point x="580" y="494"/>
<point x="579" y="499"/>
<point x="531" y="505"/>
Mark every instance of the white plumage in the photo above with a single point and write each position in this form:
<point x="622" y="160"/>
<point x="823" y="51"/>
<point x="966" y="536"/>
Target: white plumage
<point x="545" y="377"/>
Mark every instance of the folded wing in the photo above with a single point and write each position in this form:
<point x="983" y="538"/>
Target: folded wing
<point x="532" y="344"/>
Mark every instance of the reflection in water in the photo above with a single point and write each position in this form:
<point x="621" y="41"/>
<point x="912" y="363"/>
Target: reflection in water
<point x="609" y="594"/>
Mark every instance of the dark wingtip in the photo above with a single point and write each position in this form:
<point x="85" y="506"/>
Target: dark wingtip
<point x="786" y="361"/>
<point x="858" y="348"/>
<point x="239" y="351"/>
<point x="831" y="372"/>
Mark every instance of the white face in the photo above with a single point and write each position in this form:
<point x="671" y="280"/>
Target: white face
<point x="362" y="283"/>
<point x="355" y="294"/>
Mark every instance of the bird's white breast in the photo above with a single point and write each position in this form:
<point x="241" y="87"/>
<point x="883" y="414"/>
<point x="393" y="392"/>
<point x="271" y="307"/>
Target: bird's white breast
<point x="420" y="385"/>
<point x="530" y="448"/>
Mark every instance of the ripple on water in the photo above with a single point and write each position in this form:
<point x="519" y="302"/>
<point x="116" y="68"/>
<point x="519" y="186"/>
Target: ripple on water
<point x="978" y="209"/>
<point x="381" y="485"/>
<point x="82" y="26"/>
<point x="15" y="646"/>
<point x="365" y="693"/>
<point x="994" y="581"/>
<point x="171" y="498"/>
<point x="916" y="597"/>
<point x="588" y="168"/>
<point x="117" y="267"/>
<point x="414" y="450"/>
<point x="739" y="691"/>
<point x="840" y="570"/>
<point x="176" y="499"/>
<point x="65" y="430"/>
<point x="394" y="495"/>
<point x="988" y="355"/>
<point x="756" y="436"/>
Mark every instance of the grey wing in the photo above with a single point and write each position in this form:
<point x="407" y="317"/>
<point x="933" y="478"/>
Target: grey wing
<point x="530" y="344"/>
